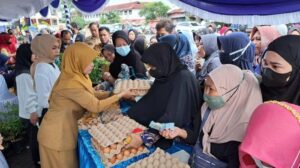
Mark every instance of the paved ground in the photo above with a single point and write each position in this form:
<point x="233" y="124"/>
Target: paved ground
<point x="21" y="160"/>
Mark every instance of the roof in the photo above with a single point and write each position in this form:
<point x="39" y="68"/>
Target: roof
<point x="173" y="11"/>
<point x="124" y="6"/>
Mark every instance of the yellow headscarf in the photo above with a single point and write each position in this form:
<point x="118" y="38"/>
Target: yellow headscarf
<point x="75" y="59"/>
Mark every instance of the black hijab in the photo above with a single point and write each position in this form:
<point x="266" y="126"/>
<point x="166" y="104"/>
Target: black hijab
<point x="174" y="95"/>
<point x="133" y="59"/>
<point x="288" y="48"/>
<point x="138" y="43"/>
<point x="23" y="59"/>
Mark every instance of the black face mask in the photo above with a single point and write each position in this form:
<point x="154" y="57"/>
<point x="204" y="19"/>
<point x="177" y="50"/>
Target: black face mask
<point x="271" y="78"/>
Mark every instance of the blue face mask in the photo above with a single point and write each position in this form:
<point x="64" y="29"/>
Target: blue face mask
<point x="123" y="51"/>
<point x="214" y="102"/>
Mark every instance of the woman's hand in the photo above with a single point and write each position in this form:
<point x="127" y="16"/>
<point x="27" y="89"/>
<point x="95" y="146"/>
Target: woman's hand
<point x="106" y="76"/>
<point x="34" y="118"/>
<point x="127" y="94"/>
<point x="171" y="134"/>
<point x="135" y="141"/>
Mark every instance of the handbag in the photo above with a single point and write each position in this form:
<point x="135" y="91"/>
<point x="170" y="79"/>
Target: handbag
<point x="200" y="159"/>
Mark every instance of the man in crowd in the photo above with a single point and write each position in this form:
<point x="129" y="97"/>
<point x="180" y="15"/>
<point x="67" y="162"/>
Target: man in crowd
<point x="164" y="27"/>
<point x="94" y="28"/>
<point x="77" y="36"/>
<point x="65" y="40"/>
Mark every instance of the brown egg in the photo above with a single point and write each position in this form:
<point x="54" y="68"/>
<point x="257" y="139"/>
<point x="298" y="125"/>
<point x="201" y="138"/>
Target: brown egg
<point x="120" y="156"/>
<point x="113" y="146"/>
<point x="134" y="151"/>
<point x="106" y="150"/>
<point x="141" y="148"/>
<point x="112" y="160"/>
<point x="126" y="153"/>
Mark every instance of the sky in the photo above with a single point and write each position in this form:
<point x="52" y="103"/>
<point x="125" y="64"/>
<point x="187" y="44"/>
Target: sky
<point x="167" y="2"/>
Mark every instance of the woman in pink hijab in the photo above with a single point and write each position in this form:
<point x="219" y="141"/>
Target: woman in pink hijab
<point x="262" y="36"/>
<point x="273" y="137"/>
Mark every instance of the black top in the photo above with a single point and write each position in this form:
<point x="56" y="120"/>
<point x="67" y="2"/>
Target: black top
<point x="173" y="97"/>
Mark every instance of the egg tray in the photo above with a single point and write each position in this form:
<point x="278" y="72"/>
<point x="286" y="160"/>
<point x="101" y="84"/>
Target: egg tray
<point x="90" y="119"/>
<point x="159" y="159"/>
<point x="115" y="131"/>
<point x="117" y="154"/>
<point x="139" y="86"/>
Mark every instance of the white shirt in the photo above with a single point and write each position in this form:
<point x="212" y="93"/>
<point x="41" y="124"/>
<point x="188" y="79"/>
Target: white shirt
<point x="26" y="95"/>
<point x="44" y="78"/>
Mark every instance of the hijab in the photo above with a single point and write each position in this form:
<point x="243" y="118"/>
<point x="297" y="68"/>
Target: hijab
<point x="23" y="59"/>
<point x="229" y="122"/>
<point x="75" y="59"/>
<point x="239" y="45"/>
<point x="179" y="43"/>
<point x="295" y="28"/>
<point x="174" y="95"/>
<point x="288" y="48"/>
<point x="267" y="33"/>
<point x="135" y="32"/>
<point x="133" y="59"/>
<point x="41" y="46"/>
<point x="212" y="59"/>
<point x="282" y="29"/>
<point x="272" y="136"/>
<point x="4" y="38"/>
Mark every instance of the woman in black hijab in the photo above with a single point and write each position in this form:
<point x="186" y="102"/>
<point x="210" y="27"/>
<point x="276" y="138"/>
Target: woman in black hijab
<point x="173" y="97"/>
<point x="136" y="41"/>
<point x="125" y="55"/>
<point x="281" y="70"/>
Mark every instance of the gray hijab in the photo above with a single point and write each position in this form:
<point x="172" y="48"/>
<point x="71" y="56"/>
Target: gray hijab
<point x="212" y="60"/>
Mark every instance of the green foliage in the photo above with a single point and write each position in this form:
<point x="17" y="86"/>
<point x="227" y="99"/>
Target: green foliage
<point x="99" y="65"/>
<point x="79" y="20"/>
<point x="10" y="123"/>
<point x="153" y="10"/>
<point x="109" y="18"/>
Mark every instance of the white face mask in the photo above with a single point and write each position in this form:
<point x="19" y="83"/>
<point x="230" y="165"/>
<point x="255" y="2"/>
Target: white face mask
<point x="259" y="164"/>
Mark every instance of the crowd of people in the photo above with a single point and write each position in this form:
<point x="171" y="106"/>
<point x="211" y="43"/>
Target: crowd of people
<point x="234" y="97"/>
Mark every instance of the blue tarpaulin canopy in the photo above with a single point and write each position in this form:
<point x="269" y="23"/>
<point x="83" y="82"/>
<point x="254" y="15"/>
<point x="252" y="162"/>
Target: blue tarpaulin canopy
<point x="250" y="12"/>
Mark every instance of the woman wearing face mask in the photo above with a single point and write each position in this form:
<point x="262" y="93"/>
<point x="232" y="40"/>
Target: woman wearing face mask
<point x="272" y="137"/>
<point x="125" y="55"/>
<point x="281" y="70"/>
<point x="208" y="50"/>
<point x="261" y="37"/>
<point x="173" y="97"/>
<point x="71" y="96"/>
<point x="237" y="49"/>
<point x="225" y="114"/>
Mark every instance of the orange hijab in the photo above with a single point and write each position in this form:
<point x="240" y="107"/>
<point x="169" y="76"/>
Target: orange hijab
<point x="75" y="59"/>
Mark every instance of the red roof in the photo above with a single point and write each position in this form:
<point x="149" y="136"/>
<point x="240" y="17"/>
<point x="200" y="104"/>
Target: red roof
<point x="176" y="11"/>
<point x="124" y="6"/>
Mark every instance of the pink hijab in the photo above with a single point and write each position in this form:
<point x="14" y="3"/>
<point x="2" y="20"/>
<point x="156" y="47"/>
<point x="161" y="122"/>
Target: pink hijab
<point x="229" y="123"/>
<point x="273" y="137"/>
<point x="267" y="33"/>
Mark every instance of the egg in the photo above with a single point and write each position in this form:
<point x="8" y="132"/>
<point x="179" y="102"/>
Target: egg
<point x="112" y="160"/>
<point x="106" y="150"/>
<point x="141" y="148"/>
<point x="134" y="151"/>
<point x="126" y="153"/>
<point x="120" y="156"/>
<point x="113" y="146"/>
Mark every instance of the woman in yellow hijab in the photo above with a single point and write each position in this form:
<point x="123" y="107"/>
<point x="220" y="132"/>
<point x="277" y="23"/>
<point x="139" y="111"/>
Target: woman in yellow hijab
<point x="71" y="96"/>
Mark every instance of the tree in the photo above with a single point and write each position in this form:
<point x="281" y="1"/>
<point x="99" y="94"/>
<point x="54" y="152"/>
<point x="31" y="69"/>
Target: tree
<point x="79" y="20"/>
<point x="109" y="18"/>
<point x="154" y="10"/>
